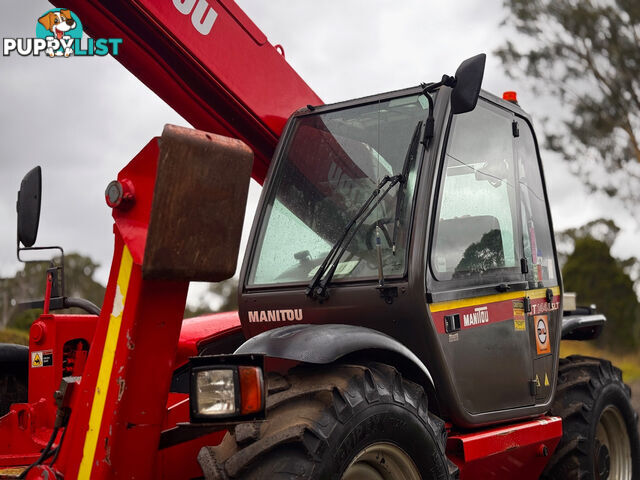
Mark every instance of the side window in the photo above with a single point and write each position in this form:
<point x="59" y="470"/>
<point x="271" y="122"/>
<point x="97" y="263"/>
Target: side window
<point x="538" y="248"/>
<point x="475" y="235"/>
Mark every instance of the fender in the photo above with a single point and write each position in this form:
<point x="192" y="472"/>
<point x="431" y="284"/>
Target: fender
<point x="582" y="327"/>
<point x="324" y="344"/>
<point x="11" y="353"/>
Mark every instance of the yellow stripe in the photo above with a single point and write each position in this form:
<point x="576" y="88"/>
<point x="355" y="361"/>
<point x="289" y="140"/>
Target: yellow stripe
<point x="106" y="365"/>
<point x="470" y="302"/>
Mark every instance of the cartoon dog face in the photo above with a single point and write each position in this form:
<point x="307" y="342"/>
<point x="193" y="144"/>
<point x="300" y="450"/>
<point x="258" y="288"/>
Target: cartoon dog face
<point x="58" y="22"/>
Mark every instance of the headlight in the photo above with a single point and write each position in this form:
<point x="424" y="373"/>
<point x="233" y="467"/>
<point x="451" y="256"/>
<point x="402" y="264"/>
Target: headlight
<point x="216" y="392"/>
<point x="222" y="391"/>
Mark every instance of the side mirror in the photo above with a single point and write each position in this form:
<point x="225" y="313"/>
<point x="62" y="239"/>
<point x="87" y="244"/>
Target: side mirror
<point x="28" y="207"/>
<point x="468" y="82"/>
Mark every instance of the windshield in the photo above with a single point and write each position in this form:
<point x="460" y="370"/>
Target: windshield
<point x="330" y="165"/>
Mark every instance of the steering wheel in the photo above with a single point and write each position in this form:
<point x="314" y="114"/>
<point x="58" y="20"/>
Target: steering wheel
<point x="370" y="232"/>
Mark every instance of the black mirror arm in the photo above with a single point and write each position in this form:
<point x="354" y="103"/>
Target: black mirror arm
<point x="60" y="303"/>
<point x="22" y="249"/>
<point x="427" y="88"/>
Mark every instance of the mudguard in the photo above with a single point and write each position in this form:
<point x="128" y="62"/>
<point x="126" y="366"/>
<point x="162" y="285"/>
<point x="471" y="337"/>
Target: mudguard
<point x="11" y="353"/>
<point x="582" y="327"/>
<point x="324" y="344"/>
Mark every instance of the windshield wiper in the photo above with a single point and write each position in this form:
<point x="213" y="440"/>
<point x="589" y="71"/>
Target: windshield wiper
<point x="408" y="161"/>
<point x="318" y="287"/>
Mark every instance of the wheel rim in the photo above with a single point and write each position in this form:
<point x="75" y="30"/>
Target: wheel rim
<point x="612" y="452"/>
<point x="382" y="461"/>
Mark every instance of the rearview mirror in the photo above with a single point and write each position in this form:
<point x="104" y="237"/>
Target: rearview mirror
<point x="468" y="82"/>
<point x="28" y="207"/>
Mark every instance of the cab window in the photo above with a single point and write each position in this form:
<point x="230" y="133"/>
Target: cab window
<point x="538" y="246"/>
<point x="475" y="236"/>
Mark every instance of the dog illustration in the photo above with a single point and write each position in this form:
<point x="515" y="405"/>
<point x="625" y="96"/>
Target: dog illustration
<point x="58" y="23"/>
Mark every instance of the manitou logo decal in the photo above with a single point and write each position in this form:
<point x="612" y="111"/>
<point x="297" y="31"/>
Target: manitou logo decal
<point x="202" y="14"/>
<point x="59" y="34"/>
<point x="478" y="317"/>
<point x="257" y="316"/>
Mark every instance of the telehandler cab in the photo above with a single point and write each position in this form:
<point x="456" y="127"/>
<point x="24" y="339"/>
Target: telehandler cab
<point x="400" y="315"/>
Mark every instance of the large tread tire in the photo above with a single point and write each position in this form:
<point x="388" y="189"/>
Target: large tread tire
<point x="319" y="418"/>
<point x="14" y="372"/>
<point x="586" y="387"/>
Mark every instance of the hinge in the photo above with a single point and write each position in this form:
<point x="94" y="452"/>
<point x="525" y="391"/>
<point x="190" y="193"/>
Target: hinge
<point x="514" y="129"/>
<point x="388" y="293"/>
<point x="533" y="388"/>
<point x="527" y="305"/>
<point x="524" y="266"/>
<point x="549" y="295"/>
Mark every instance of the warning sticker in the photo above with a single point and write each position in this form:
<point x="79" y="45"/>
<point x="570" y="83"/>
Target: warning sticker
<point x="546" y="380"/>
<point x="519" y="323"/>
<point x="543" y="343"/>
<point x="43" y="358"/>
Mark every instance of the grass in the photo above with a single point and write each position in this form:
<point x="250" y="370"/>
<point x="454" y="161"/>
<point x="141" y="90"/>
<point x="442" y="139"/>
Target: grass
<point x="629" y="363"/>
<point x="11" y="335"/>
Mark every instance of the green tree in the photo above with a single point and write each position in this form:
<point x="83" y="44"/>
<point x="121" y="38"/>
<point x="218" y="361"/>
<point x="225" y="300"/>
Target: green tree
<point x="29" y="284"/>
<point x="600" y="279"/>
<point x="585" y="53"/>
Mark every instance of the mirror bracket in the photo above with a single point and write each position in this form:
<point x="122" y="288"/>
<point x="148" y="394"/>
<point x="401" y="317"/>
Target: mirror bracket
<point x="53" y="266"/>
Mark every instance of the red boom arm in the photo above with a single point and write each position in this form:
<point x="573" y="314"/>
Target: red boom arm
<point x="208" y="61"/>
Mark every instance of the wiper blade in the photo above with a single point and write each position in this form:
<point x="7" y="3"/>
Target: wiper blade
<point x="317" y="288"/>
<point x="408" y="161"/>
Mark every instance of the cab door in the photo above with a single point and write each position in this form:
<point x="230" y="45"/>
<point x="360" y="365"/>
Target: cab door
<point x="544" y="316"/>
<point x="476" y="281"/>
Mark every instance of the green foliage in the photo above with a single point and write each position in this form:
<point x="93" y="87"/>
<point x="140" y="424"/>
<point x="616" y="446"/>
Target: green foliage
<point x="602" y="229"/>
<point x="586" y="53"/>
<point x="600" y="279"/>
<point x="11" y="335"/>
<point x="23" y="319"/>
<point x="483" y="255"/>
<point x="29" y="284"/>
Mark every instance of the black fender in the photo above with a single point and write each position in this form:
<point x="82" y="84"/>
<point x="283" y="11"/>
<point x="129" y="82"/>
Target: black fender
<point x="327" y="343"/>
<point x="12" y="353"/>
<point x="582" y="327"/>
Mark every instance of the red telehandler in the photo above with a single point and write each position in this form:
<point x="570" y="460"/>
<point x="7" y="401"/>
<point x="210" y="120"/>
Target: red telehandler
<point x="401" y="304"/>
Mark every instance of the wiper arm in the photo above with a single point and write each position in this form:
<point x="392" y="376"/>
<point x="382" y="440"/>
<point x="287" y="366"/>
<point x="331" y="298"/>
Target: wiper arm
<point x="408" y="161"/>
<point x="317" y="288"/>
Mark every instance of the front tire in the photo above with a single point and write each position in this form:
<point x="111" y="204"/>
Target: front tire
<point x="14" y="373"/>
<point x="340" y="422"/>
<point x="600" y="428"/>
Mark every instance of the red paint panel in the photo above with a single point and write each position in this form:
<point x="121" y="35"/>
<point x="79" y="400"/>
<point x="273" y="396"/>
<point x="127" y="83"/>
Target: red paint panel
<point x="506" y="452"/>
<point x="495" y="312"/>
<point x="201" y="329"/>
<point x="477" y="315"/>
<point x="50" y="333"/>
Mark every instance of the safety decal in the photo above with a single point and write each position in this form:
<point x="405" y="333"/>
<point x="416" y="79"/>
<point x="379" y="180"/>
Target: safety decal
<point x="537" y="380"/>
<point x="42" y="358"/>
<point x="519" y="323"/>
<point x="546" y="379"/>
<point x="543" y="344"/>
